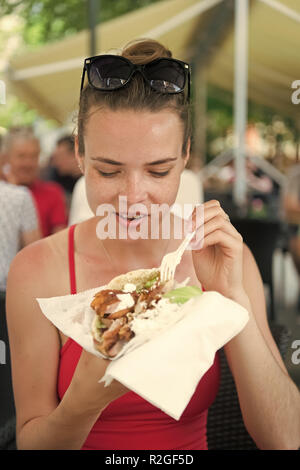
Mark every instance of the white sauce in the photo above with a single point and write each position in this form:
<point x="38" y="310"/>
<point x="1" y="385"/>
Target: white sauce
<point x="164" y="314"/>
<point x="129" y="287"/>
<point x="126" y="301"/>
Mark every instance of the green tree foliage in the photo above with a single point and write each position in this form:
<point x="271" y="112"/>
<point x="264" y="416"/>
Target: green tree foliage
<point x="49" y="20"/>
<point x="45" y="21"/>
<point x="277" y="130"/>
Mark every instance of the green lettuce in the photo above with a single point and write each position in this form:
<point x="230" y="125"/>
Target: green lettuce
<point x="148" y="284"/>
<point x="151" y="282"/>
<point x="183" y="294"/>
<point x="99" y="324"/>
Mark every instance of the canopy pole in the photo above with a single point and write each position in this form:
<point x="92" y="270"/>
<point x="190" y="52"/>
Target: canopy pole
<point x="200" y="109"/>
<point x="93" y="6"/>
<point x="240" y="101"/>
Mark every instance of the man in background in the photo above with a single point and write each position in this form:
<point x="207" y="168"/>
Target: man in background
<point x="23" y="150"/>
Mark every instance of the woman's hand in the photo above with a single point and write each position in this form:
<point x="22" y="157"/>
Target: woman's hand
<point x="86" y="394"/>
<point x="217" y="251"/>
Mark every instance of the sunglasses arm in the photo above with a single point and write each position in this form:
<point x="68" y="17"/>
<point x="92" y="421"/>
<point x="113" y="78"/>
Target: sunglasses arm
<point x="189" y="85"/>
<point x="82" y="78"/>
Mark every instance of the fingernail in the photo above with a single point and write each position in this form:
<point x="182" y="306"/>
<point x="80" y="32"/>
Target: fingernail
<point x="197" y="242"/>
<point x="189" y="225"/>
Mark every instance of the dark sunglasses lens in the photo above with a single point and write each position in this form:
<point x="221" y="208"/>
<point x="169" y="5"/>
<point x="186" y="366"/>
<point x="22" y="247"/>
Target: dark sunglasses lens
<point x="166" y="76"/>
<point x="108" y="73"/>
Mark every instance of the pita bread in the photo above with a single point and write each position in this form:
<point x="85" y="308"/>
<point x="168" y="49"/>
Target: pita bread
<point x="138" y="277"/>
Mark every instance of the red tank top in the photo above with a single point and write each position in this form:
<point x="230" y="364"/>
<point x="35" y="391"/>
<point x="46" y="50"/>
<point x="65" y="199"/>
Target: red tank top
<point x="130" y="422"/>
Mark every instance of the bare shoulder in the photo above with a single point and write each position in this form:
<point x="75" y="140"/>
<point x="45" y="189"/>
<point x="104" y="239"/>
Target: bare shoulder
<point x="37" y="266"/>
<point x="34" y="272"/>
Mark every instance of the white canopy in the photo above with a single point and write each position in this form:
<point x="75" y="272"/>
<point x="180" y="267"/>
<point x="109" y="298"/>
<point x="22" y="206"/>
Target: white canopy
<point x="48" y="79"/>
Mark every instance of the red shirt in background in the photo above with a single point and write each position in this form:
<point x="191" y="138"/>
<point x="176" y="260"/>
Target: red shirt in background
<point x="51" y="205"/>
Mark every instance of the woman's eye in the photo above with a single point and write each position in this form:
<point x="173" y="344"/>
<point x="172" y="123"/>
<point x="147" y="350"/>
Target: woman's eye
<point x="108" y="175"/>
<point x="159" y="174"/>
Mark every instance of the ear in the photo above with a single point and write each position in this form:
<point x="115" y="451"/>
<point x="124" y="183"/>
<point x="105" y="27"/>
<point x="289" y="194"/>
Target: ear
<point x="188" y="150"/>
<point x="79" y="158"/>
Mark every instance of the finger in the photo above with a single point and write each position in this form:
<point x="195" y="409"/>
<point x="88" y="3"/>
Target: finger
<point x="206" y="205"/>
<point x="214" y="211"/>
<point x="212" y="203"/>
<point x="216" y="223"/>
<point x="203" y="213"/>
<point x="230" y="244"/>
<point x="223" y="223"/>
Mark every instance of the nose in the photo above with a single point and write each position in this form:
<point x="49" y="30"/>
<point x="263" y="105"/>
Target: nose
<point x="135" y="189"/>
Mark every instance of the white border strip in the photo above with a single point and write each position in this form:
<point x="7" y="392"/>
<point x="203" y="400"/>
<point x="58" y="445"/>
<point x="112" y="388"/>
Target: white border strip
<point x="294" y="15"/>
<point x="154" y="33"/>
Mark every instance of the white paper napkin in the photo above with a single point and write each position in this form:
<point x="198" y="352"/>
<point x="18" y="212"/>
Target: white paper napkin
<point x="165" y="370"/>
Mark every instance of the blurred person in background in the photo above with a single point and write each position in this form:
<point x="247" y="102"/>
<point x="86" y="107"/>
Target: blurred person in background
<point x="18" y="221"/>
<point x="23" y="150"/>
<point x="63" y="168"/>
<point x="2" y="157"/>
<point x="291" y="209"/>
<point x="79" y="206"/>
<point x="190" y="191"/>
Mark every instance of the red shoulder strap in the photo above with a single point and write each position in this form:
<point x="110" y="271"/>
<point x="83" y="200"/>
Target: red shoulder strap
<point x="72" y="260"/>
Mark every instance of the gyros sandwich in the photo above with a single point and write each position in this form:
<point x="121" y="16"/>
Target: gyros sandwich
<point x="133" y="302"/>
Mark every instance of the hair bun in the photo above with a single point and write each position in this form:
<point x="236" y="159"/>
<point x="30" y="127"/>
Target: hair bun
<point x="142" y="51"/>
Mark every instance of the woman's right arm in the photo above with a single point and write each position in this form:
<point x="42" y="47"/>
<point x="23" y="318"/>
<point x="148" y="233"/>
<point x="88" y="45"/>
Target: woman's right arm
<point x="44" y="422"/>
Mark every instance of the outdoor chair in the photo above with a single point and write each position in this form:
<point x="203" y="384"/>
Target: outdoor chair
<point x="7" y="407"/>
<point x="263" y="238"/>
<point x="225" y="426"/>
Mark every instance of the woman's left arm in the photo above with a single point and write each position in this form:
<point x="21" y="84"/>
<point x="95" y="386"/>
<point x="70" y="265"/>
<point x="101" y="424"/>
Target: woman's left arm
<point x="269" y="400"/>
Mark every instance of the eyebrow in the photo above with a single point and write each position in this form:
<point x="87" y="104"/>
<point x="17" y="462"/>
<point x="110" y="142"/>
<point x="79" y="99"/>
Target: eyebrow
<point x="114" y="162"/>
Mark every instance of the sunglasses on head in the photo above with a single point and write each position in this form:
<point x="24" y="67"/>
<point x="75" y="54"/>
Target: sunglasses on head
<point x="111" y="72"/>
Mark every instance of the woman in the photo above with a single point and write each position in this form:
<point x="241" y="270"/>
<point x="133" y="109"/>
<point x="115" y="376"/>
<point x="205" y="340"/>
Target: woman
<point x="133" y="141"/>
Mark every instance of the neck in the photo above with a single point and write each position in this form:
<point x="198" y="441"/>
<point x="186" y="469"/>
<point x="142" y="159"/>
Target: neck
<point x="129" y="254"/>
<point x="126" y="252"/>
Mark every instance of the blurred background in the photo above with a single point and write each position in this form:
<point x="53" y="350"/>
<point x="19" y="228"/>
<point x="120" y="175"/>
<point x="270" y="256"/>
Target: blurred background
<point x="246" y="115"/>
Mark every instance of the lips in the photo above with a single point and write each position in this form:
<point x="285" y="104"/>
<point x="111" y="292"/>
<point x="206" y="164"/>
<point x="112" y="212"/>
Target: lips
<point x="128" y="221"/>
<point x="129" y="217"/>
